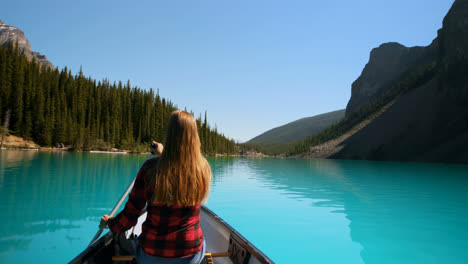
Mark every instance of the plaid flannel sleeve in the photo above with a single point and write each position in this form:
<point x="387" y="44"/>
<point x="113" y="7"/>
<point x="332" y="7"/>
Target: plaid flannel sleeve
<point x="136" y="202"/>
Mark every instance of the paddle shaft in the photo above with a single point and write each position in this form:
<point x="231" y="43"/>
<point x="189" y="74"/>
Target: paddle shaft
<point x="117" y="206"/>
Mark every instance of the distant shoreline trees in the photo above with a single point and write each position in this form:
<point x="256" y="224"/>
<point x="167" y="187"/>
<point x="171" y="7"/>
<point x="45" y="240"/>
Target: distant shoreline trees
<point x="51" y="106"/>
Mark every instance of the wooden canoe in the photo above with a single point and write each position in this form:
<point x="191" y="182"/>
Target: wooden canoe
<point x="224" y="245"/>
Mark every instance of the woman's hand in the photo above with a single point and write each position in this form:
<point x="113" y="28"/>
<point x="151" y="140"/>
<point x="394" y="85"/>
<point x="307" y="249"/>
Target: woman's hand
<point x="156" y="148"/>
<point x="104" y="220"/>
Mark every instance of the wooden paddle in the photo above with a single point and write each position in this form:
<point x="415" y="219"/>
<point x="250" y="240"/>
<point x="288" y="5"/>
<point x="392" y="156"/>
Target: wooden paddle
<point x="116" y="207"/>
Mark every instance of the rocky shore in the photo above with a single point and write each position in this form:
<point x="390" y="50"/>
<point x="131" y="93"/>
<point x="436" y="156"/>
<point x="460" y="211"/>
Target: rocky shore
<point x="252" y="154"/>
<point x="13" y="142"/>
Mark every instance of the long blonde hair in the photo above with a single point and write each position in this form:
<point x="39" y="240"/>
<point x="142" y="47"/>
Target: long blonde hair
<point x="183" y="175"/>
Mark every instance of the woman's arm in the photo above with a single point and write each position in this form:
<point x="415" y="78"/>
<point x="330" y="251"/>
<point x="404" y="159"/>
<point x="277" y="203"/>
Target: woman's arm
<point x="136" y="201"/>
<point x="128" y="217"/>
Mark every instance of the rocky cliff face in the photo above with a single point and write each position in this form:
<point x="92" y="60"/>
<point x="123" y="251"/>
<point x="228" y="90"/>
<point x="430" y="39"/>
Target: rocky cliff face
<point x="453" y="52"/>
<point x="386" y="63"/>
<point x="454" y="34"/>
<point x="10" y="34"/>
<point x="429" y="123"/>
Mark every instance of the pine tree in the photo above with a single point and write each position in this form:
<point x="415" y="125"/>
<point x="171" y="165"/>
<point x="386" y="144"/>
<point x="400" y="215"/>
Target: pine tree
<point x="17" y="99"/>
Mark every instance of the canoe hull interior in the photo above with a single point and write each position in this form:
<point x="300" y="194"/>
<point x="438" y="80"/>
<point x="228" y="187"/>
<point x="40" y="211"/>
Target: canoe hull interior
<point x="99" y="252"/>
<point x="220" y="237"/>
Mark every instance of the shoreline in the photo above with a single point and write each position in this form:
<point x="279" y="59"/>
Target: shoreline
<point x="49" y="149"/>
<point x="16" y="143"/>
<point x="114" y="151"/>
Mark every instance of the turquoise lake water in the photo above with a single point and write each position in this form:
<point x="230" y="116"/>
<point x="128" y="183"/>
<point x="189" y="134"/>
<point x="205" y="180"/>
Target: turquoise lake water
<point x="295" y="211"/>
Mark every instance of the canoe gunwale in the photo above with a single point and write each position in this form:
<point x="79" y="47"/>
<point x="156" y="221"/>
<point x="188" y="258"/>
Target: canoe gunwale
<point x="259" y="255"/>
<point x="92" y="250"/>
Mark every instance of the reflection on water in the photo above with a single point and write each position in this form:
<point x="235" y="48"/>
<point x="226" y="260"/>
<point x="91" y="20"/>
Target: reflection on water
<point x="393" y="212"/>
<point x="15" y="157"/>
<point x="48" y="192"/>
<point x="305" y="211"/>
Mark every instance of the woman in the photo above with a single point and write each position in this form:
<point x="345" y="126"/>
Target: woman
<point x="174" y="186"/>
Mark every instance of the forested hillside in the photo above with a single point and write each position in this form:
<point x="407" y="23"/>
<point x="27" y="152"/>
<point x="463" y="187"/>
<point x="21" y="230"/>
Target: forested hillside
<point x="299" y="129"/>
<point x="280" y="140"/>
<point x="409" y="80"/>
<point x="53" y="106"/>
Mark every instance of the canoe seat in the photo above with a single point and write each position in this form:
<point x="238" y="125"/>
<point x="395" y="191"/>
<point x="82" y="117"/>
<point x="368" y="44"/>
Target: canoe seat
<point x="208" y="259"/>
<point x="123" y="258"/>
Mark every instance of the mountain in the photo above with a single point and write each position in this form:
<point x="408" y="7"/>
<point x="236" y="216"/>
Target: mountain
<point x="12" y="35"/>
<point x="386" y="63"/>
<point x="299" y="129"/>
<point x="428" y="122"/>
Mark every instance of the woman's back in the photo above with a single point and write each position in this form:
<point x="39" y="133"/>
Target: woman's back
<point x="170" y="230"/>
<point x="173" y="187"/>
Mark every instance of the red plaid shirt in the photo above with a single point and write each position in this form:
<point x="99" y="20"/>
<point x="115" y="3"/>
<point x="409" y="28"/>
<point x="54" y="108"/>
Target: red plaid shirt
<point x="168" y="231"/>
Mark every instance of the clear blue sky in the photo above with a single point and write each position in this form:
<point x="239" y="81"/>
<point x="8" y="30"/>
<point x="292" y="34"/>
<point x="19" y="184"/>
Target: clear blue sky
<point x="252" y="64"/>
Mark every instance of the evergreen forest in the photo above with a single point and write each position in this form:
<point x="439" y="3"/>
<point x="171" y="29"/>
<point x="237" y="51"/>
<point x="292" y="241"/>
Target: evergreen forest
<point x="51" y="106"/>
